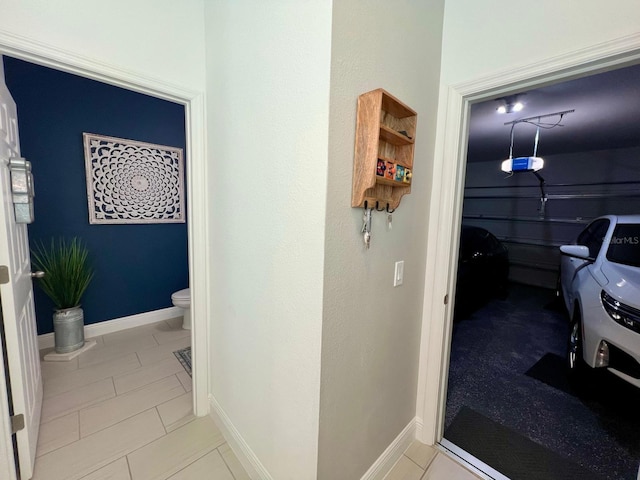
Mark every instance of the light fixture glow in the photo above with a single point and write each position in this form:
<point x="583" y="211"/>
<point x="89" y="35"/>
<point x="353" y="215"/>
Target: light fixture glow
<point x="509" y="104"/>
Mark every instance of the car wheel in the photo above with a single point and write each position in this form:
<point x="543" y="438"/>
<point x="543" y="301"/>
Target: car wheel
<point x="575" y="360"/>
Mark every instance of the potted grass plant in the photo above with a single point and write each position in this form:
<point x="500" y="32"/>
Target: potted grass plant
<point x="67" y="275"/>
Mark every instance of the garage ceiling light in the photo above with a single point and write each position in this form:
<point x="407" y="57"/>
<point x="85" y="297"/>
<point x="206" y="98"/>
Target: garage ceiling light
<point x="509" y="104"/>
<point x="510" y="107"/>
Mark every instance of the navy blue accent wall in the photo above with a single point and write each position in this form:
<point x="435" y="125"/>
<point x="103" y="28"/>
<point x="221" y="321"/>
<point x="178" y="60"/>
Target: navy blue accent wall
<point x="137" y="267"/>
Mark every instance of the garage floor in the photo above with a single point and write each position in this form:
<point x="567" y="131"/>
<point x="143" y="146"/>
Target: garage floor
<point x="596" y="425"/>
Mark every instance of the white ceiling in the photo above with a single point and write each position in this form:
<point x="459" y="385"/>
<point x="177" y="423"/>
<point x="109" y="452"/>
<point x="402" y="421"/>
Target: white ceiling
<point x="607" y="116"/>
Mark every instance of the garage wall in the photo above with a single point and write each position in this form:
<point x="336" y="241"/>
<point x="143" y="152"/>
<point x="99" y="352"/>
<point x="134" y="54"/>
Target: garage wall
<point x="580" y="187"/>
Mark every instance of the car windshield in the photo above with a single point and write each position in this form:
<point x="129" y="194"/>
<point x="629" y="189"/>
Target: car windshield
<point x="625" y="245"/>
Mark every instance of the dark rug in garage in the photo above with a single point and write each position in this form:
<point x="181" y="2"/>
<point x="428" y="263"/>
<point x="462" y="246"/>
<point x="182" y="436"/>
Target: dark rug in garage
<point x="551" y="370"/>
<point x="597" y="427"/>
<point x="510" y="453"/>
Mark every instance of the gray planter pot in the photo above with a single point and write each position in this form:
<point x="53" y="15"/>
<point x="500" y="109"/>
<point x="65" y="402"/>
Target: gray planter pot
<point x="68" y="329"/>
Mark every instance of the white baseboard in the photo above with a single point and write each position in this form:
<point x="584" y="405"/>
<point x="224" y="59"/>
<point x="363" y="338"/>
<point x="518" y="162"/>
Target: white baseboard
<point x="247" y="458"/>
<point x="109" y="326"/>
<point x="256" y="471"/>
<point x="419" y="427"/>
<point x="385" y="462"/>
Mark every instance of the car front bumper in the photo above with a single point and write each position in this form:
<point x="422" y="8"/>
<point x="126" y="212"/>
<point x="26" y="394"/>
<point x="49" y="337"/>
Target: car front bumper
<point x="624" y="344"/>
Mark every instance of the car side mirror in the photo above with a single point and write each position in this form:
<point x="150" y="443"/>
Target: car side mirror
<point x="577" y="251"/>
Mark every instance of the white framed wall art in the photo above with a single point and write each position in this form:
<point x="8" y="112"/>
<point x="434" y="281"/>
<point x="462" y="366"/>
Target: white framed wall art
<point x="133" y="182"/>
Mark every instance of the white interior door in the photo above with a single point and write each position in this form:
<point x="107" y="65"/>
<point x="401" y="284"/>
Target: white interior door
<point x="7" y="464"/>
<point x="16" y="296"/>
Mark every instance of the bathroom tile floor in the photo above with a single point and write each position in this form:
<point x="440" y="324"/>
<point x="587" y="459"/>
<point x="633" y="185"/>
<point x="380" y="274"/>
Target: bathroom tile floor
<point x="123" y="411"/>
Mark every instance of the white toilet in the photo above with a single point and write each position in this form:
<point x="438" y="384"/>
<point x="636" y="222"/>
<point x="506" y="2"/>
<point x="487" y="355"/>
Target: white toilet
<point x="182" y="299"/>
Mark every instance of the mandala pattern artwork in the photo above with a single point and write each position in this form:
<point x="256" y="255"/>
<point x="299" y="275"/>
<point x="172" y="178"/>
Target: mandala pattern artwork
<point x="133" y="182"/>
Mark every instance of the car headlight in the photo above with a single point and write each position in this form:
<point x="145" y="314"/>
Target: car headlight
<point x="623" y="314"/>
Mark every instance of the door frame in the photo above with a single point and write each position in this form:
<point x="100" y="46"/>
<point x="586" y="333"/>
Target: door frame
<point x="197" y="201"/>
<point x="447" y="193"/>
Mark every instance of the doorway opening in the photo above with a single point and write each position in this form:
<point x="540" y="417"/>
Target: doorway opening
<point x="139" y="262"/>
<point x="511" y="405"/>
<point x="447" y="201"/>
<point x="196" y="177"/>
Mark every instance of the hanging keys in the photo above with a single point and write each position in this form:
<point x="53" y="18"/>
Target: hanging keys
<point x="389" y="217"/>
<point x="366" y="227"/>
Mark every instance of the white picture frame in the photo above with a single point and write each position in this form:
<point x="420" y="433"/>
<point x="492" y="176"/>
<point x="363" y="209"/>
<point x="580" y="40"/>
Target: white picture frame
<point x="131" y="182"/>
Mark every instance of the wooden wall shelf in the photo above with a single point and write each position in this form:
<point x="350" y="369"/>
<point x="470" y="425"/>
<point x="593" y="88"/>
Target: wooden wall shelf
<point x="385" y="138"/>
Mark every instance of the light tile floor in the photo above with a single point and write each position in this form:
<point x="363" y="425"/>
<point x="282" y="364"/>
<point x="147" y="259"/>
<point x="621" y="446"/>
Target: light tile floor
<point x="123" y="411"/>
<point x="422" y="462"/>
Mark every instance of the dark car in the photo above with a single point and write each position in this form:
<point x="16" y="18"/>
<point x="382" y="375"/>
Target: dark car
<point x="483" y="270"/>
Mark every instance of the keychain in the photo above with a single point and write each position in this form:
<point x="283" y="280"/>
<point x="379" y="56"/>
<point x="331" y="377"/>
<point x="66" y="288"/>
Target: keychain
<point x="366" y="227"/>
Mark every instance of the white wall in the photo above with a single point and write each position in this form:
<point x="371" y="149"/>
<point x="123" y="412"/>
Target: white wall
<point x="371" y="329"/>
<point x="268" y="113"/>
<point x="161" y="39"/>
<point x="482" y="39"/>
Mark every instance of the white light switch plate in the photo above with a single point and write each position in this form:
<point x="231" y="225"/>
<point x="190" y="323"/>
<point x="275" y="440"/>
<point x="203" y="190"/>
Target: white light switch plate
<point x="398" y="274"/>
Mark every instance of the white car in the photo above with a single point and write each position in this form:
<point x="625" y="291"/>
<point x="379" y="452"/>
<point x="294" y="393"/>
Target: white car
<point x="600" y="282"/>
